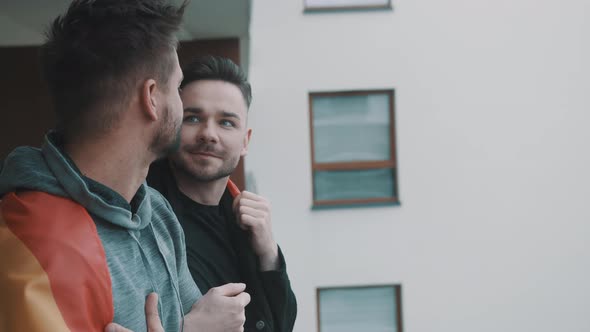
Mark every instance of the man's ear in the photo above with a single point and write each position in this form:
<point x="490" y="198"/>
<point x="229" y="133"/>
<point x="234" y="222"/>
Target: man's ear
<point x="148" y="99"/>
<point x="246" y="142"/>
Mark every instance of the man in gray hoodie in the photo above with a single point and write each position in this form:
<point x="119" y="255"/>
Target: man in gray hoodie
<point x="83" y="239"/>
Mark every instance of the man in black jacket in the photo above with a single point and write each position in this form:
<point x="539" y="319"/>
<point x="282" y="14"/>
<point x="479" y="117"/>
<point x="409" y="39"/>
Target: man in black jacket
<point x="228" y="234"/>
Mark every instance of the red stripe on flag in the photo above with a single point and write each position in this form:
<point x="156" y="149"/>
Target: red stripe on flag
<point x="63" y="238"/>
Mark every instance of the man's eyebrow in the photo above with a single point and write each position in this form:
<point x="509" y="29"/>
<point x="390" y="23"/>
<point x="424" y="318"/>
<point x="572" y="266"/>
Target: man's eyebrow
<point x="226" y="114"/>
<point x="193" y="110"/>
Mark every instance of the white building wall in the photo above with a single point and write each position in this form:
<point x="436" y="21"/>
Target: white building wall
<point x="493" y="111"/>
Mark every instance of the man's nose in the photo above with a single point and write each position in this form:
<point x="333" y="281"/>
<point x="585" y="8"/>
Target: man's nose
<point x="207" y="132"/>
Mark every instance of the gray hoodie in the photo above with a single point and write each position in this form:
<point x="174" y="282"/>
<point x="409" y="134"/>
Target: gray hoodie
<point x="143" y="241"/>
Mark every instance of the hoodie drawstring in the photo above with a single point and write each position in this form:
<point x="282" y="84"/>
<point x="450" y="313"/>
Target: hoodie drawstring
<point x="176" y="291"/>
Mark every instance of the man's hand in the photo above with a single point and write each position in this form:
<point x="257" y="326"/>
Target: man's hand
<point x="151" y="313"/>
<point x="253" y="214"/>
<point x="220" y="310"/>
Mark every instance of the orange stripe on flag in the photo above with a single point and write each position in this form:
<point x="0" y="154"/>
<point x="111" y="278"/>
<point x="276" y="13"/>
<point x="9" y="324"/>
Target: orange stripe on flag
<point x="62" y="239"/>
<point x="27" y="302"/>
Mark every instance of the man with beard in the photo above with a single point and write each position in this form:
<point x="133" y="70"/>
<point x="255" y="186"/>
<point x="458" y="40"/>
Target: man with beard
<point x="83" y="239"/>
<point x="228" y="234"/>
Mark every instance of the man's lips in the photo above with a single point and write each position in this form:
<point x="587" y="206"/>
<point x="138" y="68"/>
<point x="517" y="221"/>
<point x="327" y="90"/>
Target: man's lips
<point x="205" y="154"/>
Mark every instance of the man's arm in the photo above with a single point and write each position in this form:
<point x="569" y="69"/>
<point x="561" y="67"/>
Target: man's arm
<point x="220" y="310"/>
<point x="253" y="214"/>
<point x="280" y="296"/>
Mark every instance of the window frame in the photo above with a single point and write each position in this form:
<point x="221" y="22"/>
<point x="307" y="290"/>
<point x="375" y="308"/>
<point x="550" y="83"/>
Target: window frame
<point x="343" y="7"/>
<point x="355" y="165"/>
<point x="398" y="301"/>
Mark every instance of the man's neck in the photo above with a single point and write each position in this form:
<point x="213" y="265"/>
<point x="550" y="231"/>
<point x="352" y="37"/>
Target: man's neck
<point x="112" y="163"/>
<point x="202" y="192"/>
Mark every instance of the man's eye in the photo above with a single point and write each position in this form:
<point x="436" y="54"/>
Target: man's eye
<point x="227" y="123"/>
<point x="191" y="119"/>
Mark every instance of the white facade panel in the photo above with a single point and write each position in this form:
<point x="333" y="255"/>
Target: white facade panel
<point x="492" y="114"/>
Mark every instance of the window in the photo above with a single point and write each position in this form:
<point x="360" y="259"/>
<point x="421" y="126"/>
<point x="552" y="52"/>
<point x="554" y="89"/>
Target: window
<point x="360" y="309"/>
<point x="353" y="147"/>
<point x="326" y="5"/>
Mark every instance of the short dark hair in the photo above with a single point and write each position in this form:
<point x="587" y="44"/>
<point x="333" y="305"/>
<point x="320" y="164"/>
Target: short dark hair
<point x="213" y="67"/>
<point x="98" y="50"/>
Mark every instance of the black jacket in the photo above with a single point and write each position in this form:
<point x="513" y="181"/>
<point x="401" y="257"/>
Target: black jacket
<point x="273" y="307"/>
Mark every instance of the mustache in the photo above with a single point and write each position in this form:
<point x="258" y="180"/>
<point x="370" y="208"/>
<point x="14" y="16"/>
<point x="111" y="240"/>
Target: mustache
<point x="203" y="147"/>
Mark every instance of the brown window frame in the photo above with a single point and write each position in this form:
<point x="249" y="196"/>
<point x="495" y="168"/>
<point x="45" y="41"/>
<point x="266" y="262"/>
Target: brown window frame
<point x="398" y="301"/>
<point x="356" y="165"/>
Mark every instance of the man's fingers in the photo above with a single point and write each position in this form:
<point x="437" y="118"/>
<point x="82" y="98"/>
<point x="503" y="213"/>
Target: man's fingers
<point x="113" y="327"/>
<point x="251" y="199"/>
<point x="231" y="289"/>
<point x="261" y="205"/>
<point x="246" y="210"/>
<point x="256" y="209"/>
<point x="151" y="313"/>
<point x="247" y="222"/>
<point x="252" y="196"/>
<point x="243" y="226"/>
<point x="243" y="299"/>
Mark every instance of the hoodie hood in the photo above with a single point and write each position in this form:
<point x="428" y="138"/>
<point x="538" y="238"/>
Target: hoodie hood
<point x="50" y="171"/>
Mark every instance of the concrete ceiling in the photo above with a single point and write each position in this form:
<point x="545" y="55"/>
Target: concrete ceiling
<point x="23" y="22"/>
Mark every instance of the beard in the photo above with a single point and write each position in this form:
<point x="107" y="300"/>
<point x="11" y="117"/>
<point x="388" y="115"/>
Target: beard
<point x="202" y="170"/>
<point x="167" y="139"/>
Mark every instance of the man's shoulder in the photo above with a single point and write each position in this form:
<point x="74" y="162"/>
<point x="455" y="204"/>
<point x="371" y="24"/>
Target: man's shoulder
<point x="49" y="223"/>
<point x="161" y="208"/>
<point x="156" y="197"/>
<point x="38" y="208"/>
<point x="162" y="213"/>
<point x="52" y="242"/>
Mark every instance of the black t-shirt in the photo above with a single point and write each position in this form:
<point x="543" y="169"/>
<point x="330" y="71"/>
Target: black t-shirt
<point x="211" y="257"/>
